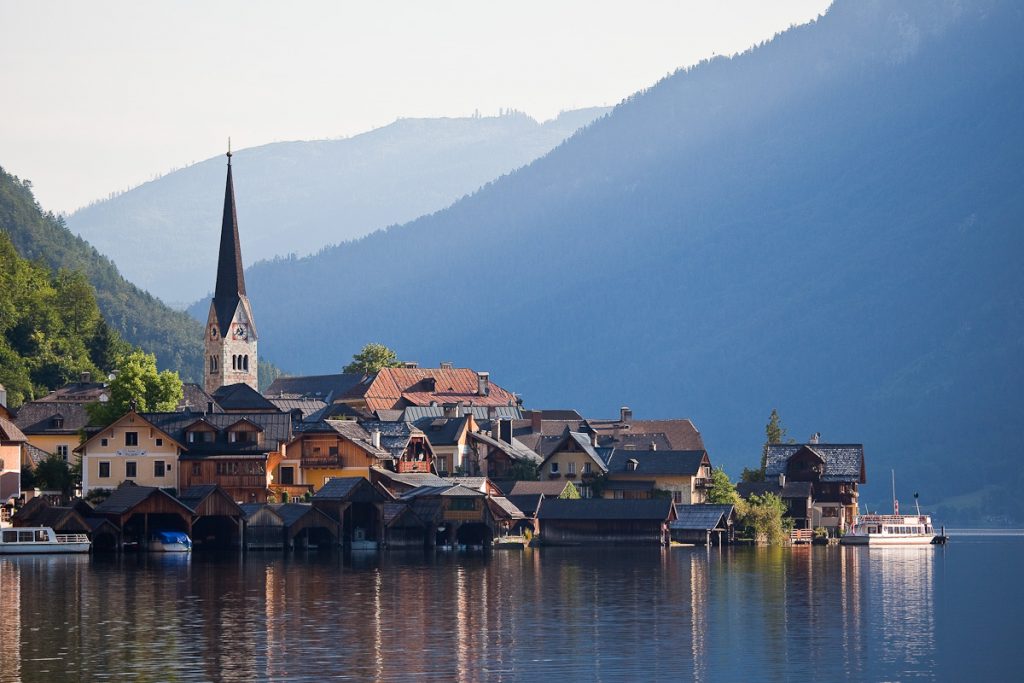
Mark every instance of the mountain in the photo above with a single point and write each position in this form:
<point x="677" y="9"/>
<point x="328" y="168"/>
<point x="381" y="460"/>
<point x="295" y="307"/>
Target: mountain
<point x="141" y="319"/>
<point x="305" y="195"/>
<point x="827" y="224"/>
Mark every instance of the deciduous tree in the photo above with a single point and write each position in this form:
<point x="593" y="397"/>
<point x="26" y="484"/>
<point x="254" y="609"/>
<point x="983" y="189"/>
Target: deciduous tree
<point x="371" y="359"/>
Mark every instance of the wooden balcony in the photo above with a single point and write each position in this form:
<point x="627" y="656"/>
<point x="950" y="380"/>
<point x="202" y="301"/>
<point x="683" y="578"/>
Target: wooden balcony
<point x="294" y="491"/>
<point x="702" y="483"/>
<point x="330" y="461"/>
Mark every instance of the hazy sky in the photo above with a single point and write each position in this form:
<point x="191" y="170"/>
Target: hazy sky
<point x="100" y="96"/>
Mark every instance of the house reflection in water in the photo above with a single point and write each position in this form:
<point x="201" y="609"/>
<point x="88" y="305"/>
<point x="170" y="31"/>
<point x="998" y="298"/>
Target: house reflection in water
<point x="10" y="620"/>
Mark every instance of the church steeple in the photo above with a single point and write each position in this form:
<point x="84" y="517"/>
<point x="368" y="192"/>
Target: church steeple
<point x="230" y="278"/>
<point x="231" y="336"/>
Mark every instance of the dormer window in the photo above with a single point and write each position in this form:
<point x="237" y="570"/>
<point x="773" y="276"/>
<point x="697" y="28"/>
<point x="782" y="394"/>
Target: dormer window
<point x="632" y="464"/>
<point x="57" y="421"/>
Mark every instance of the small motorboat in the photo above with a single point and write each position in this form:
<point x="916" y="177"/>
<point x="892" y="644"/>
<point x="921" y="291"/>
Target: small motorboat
<point x="170" y="542"/>
<point x="41" y="539"/>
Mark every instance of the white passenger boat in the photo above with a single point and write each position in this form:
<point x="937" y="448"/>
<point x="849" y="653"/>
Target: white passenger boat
<point x="894" y="529"/>
<point x="884" y="530"/>
<point x="41" y="539"/>
<point x="170" y="542"/>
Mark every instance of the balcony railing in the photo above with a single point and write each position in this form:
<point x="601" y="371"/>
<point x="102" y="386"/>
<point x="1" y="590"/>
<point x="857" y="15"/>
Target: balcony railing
<point x="334" y="461"/>
<point x="703" y="483"/>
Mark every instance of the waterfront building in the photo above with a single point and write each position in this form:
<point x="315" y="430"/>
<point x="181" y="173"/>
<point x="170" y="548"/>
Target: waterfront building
<point x="834" y="472"/>
<point x="356" y="506"/>
<point x="703" y="524"/>
<point x="684" y="475"/>
<point x="574" y="457"/>
<point x="601" y="521"/>
<point x="230" y="335"/>
<point x="133" y="448"/>
<point x="798" y="496"/>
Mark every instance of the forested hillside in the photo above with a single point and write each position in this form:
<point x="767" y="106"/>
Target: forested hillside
<point x="297" y="197"/>
<point x="51" y="329"/>
<point x="828" y="224"/>
<point x="141" y="319"/>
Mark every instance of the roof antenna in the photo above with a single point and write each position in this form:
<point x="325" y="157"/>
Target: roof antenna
<point x="229" y="150"/>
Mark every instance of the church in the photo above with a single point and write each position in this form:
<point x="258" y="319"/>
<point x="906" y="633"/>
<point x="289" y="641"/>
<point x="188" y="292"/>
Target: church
<point x="231" y="337"/>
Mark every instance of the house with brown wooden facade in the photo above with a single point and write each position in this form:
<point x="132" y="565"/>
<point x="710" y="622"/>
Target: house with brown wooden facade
<point x="601" y="521"/>
<point x="324" y="450"/>
<point x="834" y="472"/>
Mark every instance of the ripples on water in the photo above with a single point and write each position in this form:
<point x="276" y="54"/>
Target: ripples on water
<point x="568" y="614"/>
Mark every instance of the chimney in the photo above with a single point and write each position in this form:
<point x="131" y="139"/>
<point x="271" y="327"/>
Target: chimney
<point x="625" y="414"/>
<point x="535" y="421"/>
<point x="815" y="437"/>
<point x="492" y="412"/>
<point x="447" y="365"/>
<point x="85" y="377"/>
<point x="782" y="479"/>
<point x="632" y="464"/>
<point x="505" y="431"/>
<point x="483" y="383"/>
<point x="654" y="446"/>
<point x="209" y="406"/>
<point x="593" y="438"/>
<point x="375" y="438"/>
<point x="410" y="364"/>
<point x="451" y="410"/>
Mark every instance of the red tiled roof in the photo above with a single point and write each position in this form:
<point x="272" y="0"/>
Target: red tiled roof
<point x="681" y="434"/>
<point x="394" y="388"/>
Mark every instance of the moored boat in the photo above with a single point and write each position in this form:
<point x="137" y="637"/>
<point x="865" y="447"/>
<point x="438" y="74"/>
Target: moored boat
<point x="170" y="542"/>
<point x="41" y="539"/>
<point x="887" y="530"/>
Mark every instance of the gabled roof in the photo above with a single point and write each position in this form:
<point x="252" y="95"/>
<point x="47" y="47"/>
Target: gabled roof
<point x="341" y="411"/>
<point x="394" y="436"/>
<point x="125" y="497"/>
<point x="195" y="399"/>
<point x="446" y="491"/>
<point x="843" y="462"/>
<point x="322" y="387"/>
<point x="581" y="440"/>
<point x="399" y="387"/>
<point x="344" y="489"/>
<point x="657" y="463"/>
<point x="242" y="397"/>
<point x="129" y="418"/>
<point x="515" y="450"/>
<point x="36" y="417"/>
<point x="441" y="431"/>
<point x="305" y="406"/>
<point x="10" y="432"/>
<point x="358" y="435"/>
<point x="701" y="517"/>
<point x="681" y="433"/>
<point x="277" y="428"/>
<point x="528" y="503"/>
<point x="196" y="498"/>
<point x="77" y="392"/>
<point x="652" y="509"/>
<point x="503" y="508"/>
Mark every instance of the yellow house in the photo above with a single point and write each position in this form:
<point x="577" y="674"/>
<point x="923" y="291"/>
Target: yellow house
<point x="11" y="443"/>
<point x="54" y="423"/>
<point x="333" y="448"/>
<point x="130" y="449"/>
<point x="575" y="458"/>
<point x="685" y="475"/>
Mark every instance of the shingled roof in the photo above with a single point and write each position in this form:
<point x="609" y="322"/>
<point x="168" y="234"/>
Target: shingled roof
<point x="242" y="397"/>
<point x="10" y="432"/>
<point x="37" y="417"/>
<point x="700" y="517"/>
<point x="276" y="428"/>
<point x="394" y="388"/>
<point x="127" y="496"/>
<point x="657" y="463"/>
<point x="323" y="387"/>
<point x="843" y="462"/>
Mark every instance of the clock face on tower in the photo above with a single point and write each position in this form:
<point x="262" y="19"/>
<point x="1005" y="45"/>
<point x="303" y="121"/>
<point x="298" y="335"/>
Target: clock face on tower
<point x="239" y="332"/>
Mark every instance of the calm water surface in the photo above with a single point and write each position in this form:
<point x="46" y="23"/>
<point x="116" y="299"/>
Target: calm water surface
<point x="890" y="614"/>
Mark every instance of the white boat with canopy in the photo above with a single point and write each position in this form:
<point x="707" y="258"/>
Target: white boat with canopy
<point x="41" y="539"/>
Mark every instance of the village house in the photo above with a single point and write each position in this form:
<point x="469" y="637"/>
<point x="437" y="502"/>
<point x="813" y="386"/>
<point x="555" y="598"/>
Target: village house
<point x="53" y="423"/>
<point x="685" y="476"/>
<point x="133" y="448"/>
<point x="704" y="524"/>
<point x="453" y="513"/>
<point x="798" y="496"/>
<point x="398" y="388"/>
<point x="407" y="444"/>
<point x="12" y="443"/>
<point x="324" y="450"/>
<point x="574" y="457"/>
<point x="834" y="472"/>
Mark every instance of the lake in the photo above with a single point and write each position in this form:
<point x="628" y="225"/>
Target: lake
<point x="776" y="614"/>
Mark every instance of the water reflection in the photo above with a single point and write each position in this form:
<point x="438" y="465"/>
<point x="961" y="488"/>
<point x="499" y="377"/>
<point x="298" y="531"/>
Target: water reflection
<point x="706" y="614"/>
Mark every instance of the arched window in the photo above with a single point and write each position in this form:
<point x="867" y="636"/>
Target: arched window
<point x="245" y="362"/>
<point x="234" y="362"/>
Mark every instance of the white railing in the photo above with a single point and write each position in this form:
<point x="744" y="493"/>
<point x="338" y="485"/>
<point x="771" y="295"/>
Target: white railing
<point x="72" y="538"/>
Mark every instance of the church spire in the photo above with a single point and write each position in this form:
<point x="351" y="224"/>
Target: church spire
<point x="230" y="279"/>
